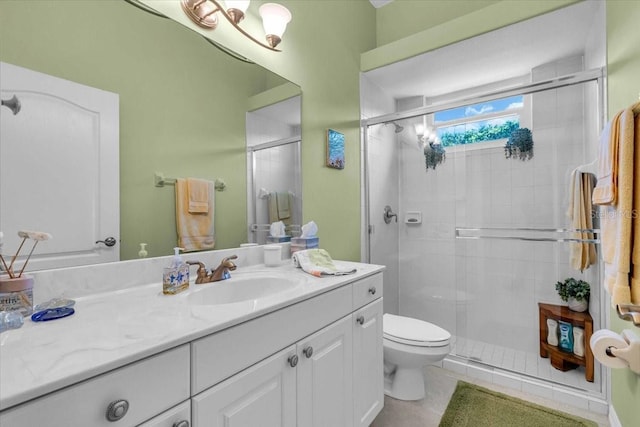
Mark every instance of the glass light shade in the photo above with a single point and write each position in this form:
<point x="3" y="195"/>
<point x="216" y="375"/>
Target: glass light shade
<point x="275" y="18"/>
<point x="419" y="127"/>
<point x="241" y="5"/>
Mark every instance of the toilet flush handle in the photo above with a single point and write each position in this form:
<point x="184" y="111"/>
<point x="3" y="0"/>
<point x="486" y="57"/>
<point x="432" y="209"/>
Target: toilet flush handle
<point x="360" y="320"/>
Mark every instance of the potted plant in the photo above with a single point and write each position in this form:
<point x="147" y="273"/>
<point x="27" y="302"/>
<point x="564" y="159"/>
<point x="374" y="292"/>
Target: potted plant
<point x="519" y="145"/>
<point x="575" y="293"/>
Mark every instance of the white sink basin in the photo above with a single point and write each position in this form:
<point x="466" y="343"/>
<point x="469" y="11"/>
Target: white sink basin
<point x="240" y="289"/>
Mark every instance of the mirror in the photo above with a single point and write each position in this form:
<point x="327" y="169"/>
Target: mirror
<point x="274" y="192"/>
<point x="182" y="101"/>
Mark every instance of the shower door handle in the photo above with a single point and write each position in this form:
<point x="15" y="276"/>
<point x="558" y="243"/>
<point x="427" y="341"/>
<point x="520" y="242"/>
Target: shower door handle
<point x="388" y="214"/>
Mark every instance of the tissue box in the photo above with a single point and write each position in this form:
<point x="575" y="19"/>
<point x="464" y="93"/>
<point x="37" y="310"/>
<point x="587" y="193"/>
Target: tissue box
<point x="302" y="243"/>
<point x="280" y="239"/>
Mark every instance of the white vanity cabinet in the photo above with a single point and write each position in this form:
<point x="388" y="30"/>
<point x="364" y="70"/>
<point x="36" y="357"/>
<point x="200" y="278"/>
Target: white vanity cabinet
<point x="332" y="376"/>
<point x="316" y="362"/>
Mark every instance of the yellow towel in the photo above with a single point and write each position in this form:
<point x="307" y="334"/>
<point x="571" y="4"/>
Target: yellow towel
<point x="198" y="190"/>
<point x="280" y="205"/>
<point x="605" y="192"/>
<point x="616" y="218"/>
<point x="195" y="231"/>
<point x="635" y="257"/>
<point x="582" y="254"/>
<point x="284" y="211"/>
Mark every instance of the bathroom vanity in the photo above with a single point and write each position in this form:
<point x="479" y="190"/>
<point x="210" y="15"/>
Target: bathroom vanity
<point x="304" y="353"/>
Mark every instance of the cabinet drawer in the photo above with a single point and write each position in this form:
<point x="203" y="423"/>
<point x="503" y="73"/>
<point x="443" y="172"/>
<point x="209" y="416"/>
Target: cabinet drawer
<point x="367" y="290"/>
<point x="178" y="416"/>
<point x="149" y="386"/>
<point x="220" y="355"/>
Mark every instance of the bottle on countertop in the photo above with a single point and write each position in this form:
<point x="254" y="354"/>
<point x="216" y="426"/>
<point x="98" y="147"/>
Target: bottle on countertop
<point x="175" y="278"/>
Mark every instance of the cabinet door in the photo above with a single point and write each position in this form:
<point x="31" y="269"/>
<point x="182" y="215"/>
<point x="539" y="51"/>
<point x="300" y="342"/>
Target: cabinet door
<point x="263" y="395"/>
<point x="368" y="378"/>
<point x="325" y="377"/>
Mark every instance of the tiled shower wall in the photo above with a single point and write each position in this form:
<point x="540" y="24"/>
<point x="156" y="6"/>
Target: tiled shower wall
<point x="488" y="290"/>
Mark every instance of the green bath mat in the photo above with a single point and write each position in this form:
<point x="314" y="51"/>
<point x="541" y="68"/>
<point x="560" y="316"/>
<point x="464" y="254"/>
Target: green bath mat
<point x="475" y="406"/>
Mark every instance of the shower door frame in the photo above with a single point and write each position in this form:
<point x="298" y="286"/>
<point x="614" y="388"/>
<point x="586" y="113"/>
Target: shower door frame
<point x="597" y="75"/>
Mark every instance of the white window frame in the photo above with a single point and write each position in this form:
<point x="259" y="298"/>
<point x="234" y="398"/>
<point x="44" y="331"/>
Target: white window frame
<point x="525" y="122"/>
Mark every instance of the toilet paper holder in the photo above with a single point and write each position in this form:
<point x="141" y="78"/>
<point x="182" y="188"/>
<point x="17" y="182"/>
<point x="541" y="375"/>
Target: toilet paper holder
<point x="630" y="354"/>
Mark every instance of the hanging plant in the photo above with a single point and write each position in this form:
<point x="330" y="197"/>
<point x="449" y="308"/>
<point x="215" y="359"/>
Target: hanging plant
<point x="519" y="145"/>
<point x="434" y="154"/>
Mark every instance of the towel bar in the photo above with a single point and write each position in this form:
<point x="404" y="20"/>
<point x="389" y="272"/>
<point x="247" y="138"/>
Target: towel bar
<point x="160" y="181"/>
<point x="629" y="312"/>
<point x="526" y="238"/>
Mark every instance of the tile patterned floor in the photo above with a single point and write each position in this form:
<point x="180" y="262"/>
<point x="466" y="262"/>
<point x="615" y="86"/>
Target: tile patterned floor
<point x="440" y="384"/>
<point x="524" y="362"/>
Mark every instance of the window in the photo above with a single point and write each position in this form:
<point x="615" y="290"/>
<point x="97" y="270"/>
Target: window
<point x="479" y="123"/>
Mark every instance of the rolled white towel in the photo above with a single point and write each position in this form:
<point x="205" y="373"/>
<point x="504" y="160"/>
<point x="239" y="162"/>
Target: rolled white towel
<point x="318" y="262"/>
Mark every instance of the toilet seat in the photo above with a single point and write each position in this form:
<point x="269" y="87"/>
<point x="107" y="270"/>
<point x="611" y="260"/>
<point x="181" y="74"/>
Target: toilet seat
<point x="415" y="332"/>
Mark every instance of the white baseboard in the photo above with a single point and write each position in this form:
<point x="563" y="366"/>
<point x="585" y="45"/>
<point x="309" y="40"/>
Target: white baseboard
<point x="613" y="417"/>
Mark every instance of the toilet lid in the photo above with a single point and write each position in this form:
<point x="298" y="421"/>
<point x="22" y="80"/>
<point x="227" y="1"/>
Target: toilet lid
<point x="411" y="331"/>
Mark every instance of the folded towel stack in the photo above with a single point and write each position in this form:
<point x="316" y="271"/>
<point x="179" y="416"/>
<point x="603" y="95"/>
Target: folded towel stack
<point x="318" y="262"/>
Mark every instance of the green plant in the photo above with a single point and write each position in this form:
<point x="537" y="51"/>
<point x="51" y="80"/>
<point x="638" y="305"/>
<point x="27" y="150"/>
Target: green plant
<point x="573" y="288"/>
<point x="519" y="145"/>
<point x="434" y="154"/>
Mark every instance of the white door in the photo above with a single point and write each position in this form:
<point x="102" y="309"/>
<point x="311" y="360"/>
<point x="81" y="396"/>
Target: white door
<point x="325" y="377"/>
<point x="59" y="168"/>
<point x="263" y="395"/>
<point x="368" y="378"/>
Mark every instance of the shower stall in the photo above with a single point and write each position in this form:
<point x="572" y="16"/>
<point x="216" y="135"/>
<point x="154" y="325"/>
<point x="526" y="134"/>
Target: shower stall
<point x="482" y="236"/>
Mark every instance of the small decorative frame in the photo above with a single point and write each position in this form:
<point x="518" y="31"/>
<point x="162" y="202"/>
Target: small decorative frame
<point x="335" y="149"/>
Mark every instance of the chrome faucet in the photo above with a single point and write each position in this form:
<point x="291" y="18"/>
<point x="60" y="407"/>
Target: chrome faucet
<point x="222" y="272"/>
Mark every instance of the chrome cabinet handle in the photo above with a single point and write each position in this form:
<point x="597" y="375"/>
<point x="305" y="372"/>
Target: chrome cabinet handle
<point x="293" y="360"/>
<point x="308" y="351"/>
<point x="109" y="241"/>
<point x="372" y="290"/>
<point x="183" y="423"/>
<point x="360" y="320"/>
<point x="117" y="410"/>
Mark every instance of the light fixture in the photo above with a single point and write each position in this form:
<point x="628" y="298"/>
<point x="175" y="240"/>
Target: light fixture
<point x="274" y="17"/>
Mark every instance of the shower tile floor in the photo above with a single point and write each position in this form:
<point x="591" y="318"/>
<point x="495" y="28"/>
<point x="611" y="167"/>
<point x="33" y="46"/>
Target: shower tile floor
<point x="523" y="362"/>
<point x="441" y="384"/>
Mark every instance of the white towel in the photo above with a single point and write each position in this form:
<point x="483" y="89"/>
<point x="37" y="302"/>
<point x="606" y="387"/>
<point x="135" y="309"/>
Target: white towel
<point x="318" y="262"/>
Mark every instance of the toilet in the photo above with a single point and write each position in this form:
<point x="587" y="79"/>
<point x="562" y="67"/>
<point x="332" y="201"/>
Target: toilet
<point x="409" y="345"/>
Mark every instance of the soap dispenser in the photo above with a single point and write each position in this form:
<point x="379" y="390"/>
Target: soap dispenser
<point x="175" y="278"/>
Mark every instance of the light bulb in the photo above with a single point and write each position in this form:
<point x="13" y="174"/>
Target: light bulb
<point x="236" y="9"/>
<point x="419" y="127"/>
<point x="274" y="19"/>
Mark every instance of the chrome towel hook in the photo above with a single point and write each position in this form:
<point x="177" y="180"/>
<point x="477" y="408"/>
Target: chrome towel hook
<point x="13" y="104"/>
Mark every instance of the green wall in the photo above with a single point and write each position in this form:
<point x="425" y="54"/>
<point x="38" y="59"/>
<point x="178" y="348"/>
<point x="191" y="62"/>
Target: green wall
<point x="182" y="104"/>
<point x="321" y="53"/>
<point x="623" y="89"/>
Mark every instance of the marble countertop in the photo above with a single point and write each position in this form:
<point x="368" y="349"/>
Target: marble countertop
<point x="111" y="329"/>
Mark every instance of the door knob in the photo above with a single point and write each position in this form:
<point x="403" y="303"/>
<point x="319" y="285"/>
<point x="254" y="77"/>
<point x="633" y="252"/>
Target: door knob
<point x="109" y="241"/>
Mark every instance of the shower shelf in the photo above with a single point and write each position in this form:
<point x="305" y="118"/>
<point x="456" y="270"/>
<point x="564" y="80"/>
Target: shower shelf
<point x="562" y="360"/>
